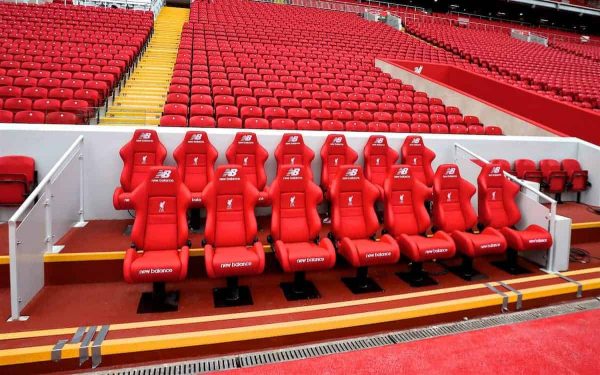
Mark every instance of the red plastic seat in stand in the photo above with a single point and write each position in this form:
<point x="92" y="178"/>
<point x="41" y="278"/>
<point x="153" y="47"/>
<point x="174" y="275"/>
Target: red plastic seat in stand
<point x="453" y="213"/>
<point x="407" y="220"/>
<point x="295" y="227"/>
<point x="141" y="153"/>
<point x="355" y="225"/>
<point x="555" y="179"/>
<point x="577" y="178"/>
<point x="195" y="157"/>
<point x="498" y="209"/>
<point x="18" y="178"/>
<point x="160" y="245"/>
<point x="231" y="246"/>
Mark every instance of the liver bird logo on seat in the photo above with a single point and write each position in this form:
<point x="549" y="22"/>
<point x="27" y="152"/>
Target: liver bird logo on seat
<point x="161" y="206"/>
<point x="230" y="203"/>
<point x="449" y="197"/>
<point x="401" y="198"/>
<point x="293" y="201"/>
<point x="245" y="161"/>
<point x="350" y="198"/>
<point x="196" y="160"/>
<point x="144" y="159"/>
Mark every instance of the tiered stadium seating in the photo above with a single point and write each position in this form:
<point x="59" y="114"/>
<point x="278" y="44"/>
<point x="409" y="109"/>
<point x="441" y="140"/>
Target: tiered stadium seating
<point x="58" y="63"/>
<point x="255" y="65"/>
<point x="548" y="71"/>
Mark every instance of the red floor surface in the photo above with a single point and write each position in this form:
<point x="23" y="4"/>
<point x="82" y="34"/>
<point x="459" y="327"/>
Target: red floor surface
<point x="564" y="344"/>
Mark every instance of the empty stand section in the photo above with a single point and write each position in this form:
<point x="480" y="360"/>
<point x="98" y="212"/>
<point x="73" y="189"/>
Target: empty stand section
<point x="59" y="63"/>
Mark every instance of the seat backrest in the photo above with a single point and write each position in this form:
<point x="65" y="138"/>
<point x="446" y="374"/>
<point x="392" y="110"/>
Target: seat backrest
<point x="379" y="157"/>
<point x="452" y="209"/>
<point x="352" y="204"/>
<point x="505" y="164"/>
<point x="17" y="174"/>
<point x="527" y="170"/>
<point x="292" y="150"/>
<point x="419" y="157"/>
<point x="161" y="202"/>
<point x="195" y="157"/>
<point x="294" y="197"/>
<point x="247" y="152"/>
<point x="230" y="200"/>
<point x="548" y="166"/>
<point x="335" y="152"/>
<point x="570" y="166"/>
<point x="405" y="197"/>
<point x="141" y="153"/>
<point x="496" y="197"/>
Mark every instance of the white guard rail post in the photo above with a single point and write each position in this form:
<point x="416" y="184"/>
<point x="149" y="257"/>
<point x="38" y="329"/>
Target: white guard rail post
<point x="51" y="210"/>
<point x="530" y="202"/>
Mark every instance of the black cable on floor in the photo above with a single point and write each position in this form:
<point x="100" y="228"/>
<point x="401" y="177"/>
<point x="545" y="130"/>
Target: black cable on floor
<point x="579" y="255"/>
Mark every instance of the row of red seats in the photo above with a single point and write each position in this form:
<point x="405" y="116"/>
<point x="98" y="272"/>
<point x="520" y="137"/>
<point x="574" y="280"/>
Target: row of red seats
<point x="329" y="125"/>
<point x="231" y="248"/>
<point x="554" y="176"/>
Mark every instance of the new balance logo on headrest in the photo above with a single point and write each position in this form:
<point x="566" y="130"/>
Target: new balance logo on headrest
<point x="378" y="141"/>
<point x="495" y="171"/>
<point x="415" y="142"/>
<point x="450" y="172"/>
<point x="163" y="175"/>
<point x="145" y="137"/>
<point x="402" y="173"/>
<point x="196" y="138"/>
<point x="293" y="139"/>
<point x="351" y="172"/>
<point x="293" y="172"/>
<point x="229" y="172"/>
<point x="246" y="138"/>
<point x="336" y="141"/>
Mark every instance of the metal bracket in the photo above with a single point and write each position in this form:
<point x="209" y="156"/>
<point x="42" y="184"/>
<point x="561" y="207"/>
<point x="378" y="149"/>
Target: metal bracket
<point x="579" y="286"/>
<point x="57" y="350"/>
<point x="503" y="295"/>
<point x="84" y="354"/>
<point x="76" y="339"/>
<point x="518" y="293"/>
<point x="97" y="346"/>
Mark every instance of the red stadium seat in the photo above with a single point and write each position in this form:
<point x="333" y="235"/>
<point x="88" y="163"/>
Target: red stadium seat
<point x="62" y="118"/>
<point x="493" y="130"/>
<point x="202" y="122"/>
<point x="195" y="157"/>
<point x="407" y="220"/>
<point x="251" y="156"/>
<point x="335" y="152"/>
<point x="577" y="178"/>
<point x="256" y="123"/>
<point x="283" y="124"/>
<point x="230" y="245"/>
<point x="17" y="104"/>
<point x="295" y="228"/>
<point x="291" y="150"/>
<point x="160" y="245"/>
<point x="29" y="117"/>
<point x="454" y="214"/>
<point x="18" y="178"/>
<point x="526" y="170"/>
<point x="414" y="153"/>
<point x="141" y="153"/>
<point x="555" y="179"/>
<point x="229" y="122"/>
<point x="378" y="158"/>
<point x="308" y="125"/>
<point x="498" y="209"/>
<point x="354" y="226"/>
<point x="6" y="116"/>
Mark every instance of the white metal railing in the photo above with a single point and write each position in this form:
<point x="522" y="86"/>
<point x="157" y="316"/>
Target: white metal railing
<point x="533" y="211"/>
<point x="50" y="211"/>
<point x="527" y="36"/>
<point x="152" y="5"/>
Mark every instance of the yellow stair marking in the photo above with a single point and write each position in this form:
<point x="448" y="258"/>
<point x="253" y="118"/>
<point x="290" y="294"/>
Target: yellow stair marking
<point x="142" y="99"/>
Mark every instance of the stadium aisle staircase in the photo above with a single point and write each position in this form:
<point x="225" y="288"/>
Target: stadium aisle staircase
<point x="141" y="100"/>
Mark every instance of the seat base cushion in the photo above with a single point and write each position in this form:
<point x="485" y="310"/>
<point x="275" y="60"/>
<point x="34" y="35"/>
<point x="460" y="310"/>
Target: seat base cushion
<point x="234" y="260"/>
<point x="366" y="252"/>
<point x="489" y="241"/>
<point x="305" y="256"/>
<point x="122" y="200"/>
<point x="156" y="265"/>
<point x="421" y="249"/>
<point x="533" y="237"/>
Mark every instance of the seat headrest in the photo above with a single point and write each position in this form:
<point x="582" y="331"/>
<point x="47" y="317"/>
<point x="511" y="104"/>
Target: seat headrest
<point x="448" y="176"/>
<point x="163" y="181"/>
<point x="292" y="143"/>
<point x="413" y="144"/>
<point x="493" y="175"/>
<point x="230" y="179"/>
<point x="245" y="142"/>
<point x="377" y="145"/>
<point x="401" y="177"/>
<point x="336" y="144"/>
<point x="291" y="178"/>
<point x="145" y="140"/>
<point x="196" y="141"/>
<point x="350" y="178"/>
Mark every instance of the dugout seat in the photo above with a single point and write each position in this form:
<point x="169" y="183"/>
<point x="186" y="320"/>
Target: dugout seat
<point x="251" y="156"/>
<point x="414" y="153"/>
<point x="577" y="178"/>
<point x="378" y="158"/>
<point x="335" y="152"/>
<point x="555" y="179"/>
<point x="292" y="150"/>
